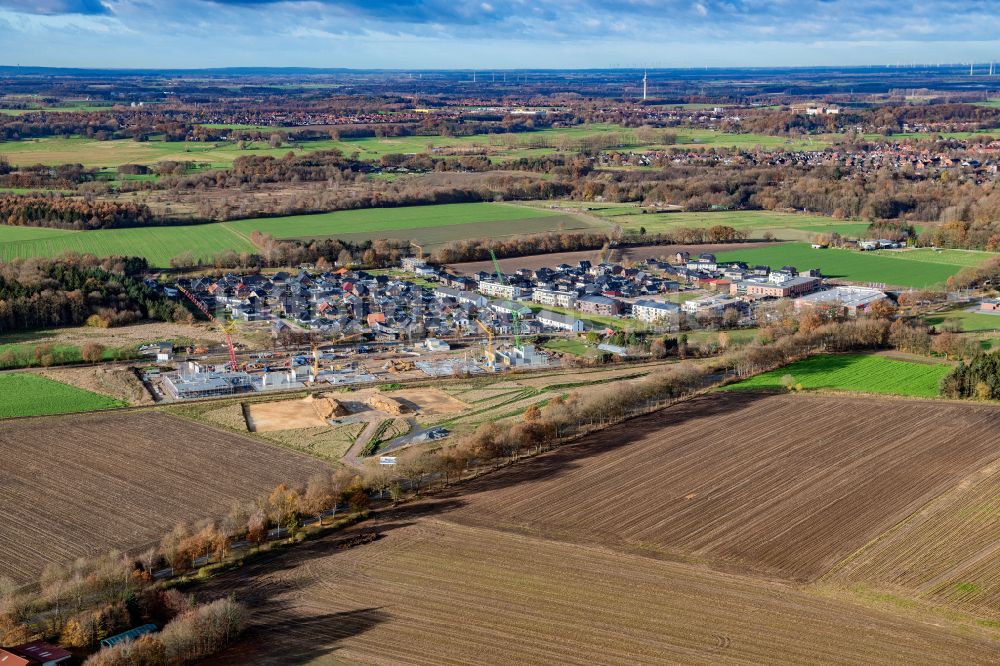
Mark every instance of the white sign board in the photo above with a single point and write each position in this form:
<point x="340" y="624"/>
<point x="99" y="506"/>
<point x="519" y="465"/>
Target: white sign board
<point x="387" y="460"/>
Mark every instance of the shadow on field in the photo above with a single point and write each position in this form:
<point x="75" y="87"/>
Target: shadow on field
<point x="283" y="633"/>
<point x="566" y="458"/>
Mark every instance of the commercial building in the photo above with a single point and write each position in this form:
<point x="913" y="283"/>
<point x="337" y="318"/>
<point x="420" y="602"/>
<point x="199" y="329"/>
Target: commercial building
<point x="851" y="299"/>
<point x="788" y="288"/>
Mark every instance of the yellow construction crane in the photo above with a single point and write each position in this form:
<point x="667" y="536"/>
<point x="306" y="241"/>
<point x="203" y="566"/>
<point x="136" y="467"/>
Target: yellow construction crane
<point x="315" y="346"/>
<point x="489" y="342"/>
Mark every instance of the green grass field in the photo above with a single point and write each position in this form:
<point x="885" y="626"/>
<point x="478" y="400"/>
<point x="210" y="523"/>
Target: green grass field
<point x="863" y="373"/>
<point x="429" y="225"/>
<point x="93" y="153"/>
<point x="903" y="269"/>
<point x="27" y="394"/>
<point x="971" y="322"/>
<point x="783" y="226"/>
<point x="238" y="126"/>
<point x="22" y="354"/>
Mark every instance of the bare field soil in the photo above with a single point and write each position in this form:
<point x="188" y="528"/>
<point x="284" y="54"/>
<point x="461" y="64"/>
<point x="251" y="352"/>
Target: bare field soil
<point x="284" y="415"/>
<point x="78" y="485"/>
<point x="132" y="334"/>
<point x="431" y="401"/>
<point x="947" y="553"/>
<point x="435" y="593"/>
<point x="638" y="253"/>
<point x="593" y="375"/>
<point x="782" y="485"/>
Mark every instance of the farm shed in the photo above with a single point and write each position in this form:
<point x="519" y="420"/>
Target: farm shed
<point x="129" y="635"/>
<point x="35" y="653"/>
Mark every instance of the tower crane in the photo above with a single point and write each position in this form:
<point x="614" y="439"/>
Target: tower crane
<point x="226" y="328"/>
<point x="514" y="316"/>
<point x="315" y="368"/>
<point x="489" y="342"/>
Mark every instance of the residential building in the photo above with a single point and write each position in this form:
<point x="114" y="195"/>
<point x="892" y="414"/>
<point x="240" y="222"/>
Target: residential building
<point x="550" y="297"/>
<point x="655" y="312"/>
<point x="500" y="290"/>
<point x="599" y="305"/>
<point x="559" y="321"/>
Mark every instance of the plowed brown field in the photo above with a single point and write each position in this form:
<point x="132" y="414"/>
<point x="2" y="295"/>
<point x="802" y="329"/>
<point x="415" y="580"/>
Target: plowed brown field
<point x="597" y="552"/>
<point x="947" y="553"/>
<point x="436" y="594"/>
<point x="784" y="485"/>
<point x="76" y="485"/>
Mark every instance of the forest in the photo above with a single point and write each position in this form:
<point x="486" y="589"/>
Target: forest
<point x="39" y="294"/>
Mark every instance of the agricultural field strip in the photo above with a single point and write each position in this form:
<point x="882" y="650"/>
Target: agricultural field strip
<point x="866" y="373"/>
<point x="53" y="151"/>
<point x="764" y="483"/>
<point x="29" y="394"/>
<point x="433" y="225"/>
<point x="516" y="400"/>
<point x="523" y="600"/>
<point x="120" y="480"/>
<point x="948" y="552"/>
<point x="850" y="265"/>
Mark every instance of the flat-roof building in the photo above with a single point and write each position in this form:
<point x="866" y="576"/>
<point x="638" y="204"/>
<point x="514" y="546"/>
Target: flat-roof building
<point x="852" y="299"/>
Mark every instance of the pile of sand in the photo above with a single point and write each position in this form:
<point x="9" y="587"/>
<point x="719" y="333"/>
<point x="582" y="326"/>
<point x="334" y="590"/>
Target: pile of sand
<point x="327" y="406"/>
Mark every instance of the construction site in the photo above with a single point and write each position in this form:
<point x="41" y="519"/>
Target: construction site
<point x="266" y="371"/>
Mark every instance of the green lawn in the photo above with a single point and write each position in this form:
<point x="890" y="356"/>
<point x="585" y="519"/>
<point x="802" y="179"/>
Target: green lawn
<point x="574" y="346"/>
<point x="737" y="336"/>
<point x="23" y="355"/>
<point x="971" y="321"/>
<point x="595" y="321"/>
<point x="864" y="373"/>
<point x="27" y="394"/>
<point x="430" y="225"/>
<point x="903" y="269"/>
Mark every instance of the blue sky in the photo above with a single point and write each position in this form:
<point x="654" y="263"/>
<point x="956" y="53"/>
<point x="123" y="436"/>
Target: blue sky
<point x="486" y="34"/>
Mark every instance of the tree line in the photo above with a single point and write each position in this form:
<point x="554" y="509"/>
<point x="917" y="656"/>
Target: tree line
<point x="70" y="291"/>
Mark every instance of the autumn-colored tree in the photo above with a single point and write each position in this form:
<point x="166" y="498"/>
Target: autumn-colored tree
<point x="92" y="352"/>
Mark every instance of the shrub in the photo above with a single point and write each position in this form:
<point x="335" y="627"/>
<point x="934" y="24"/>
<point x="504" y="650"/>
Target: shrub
<point x="203" y="631"/>
<point x="144" y="651"/>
